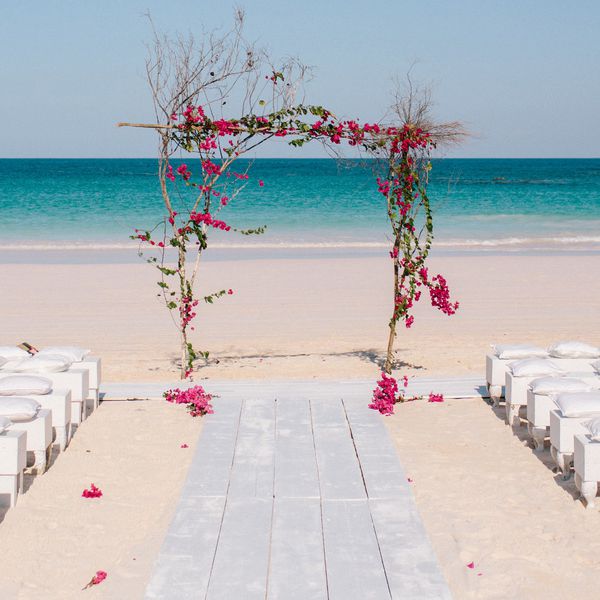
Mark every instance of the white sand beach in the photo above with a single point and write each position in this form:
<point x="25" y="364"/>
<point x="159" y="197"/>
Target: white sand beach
<point x="54" y="541"/>
<point x="303" y="318"/>
<point x="486" y="498"/>
<point x="483" y="495"/>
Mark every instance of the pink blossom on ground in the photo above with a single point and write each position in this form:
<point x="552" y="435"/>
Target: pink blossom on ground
<point x="436" y="397"/>
<point x="384" y="395"/>
<point x="184" y="446"/>
<point x="195" y="398"/>
<point x="99" y="577"/>
<point x="92" y="492"/>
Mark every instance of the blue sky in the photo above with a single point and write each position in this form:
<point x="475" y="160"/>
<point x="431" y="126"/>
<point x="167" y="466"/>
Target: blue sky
<point x="523" y="76"/>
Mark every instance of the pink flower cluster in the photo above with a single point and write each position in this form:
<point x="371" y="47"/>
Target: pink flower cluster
<point x="98" y="578"/>
<point x="92" y="492"/>
<point x="436" y="397"/>
<point x="440" y="296"/>
<point x="186" y="310"/>
<point x="198" y="401"/>
<point x="209" y="220"/>
<point x="384" y="395"/>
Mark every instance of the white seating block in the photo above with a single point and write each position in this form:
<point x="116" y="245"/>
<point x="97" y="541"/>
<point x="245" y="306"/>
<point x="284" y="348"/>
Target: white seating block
<point x="13" y="459"/>
<point x="587" y="467"/>
<point x="562" y="434"/>
<point x="39" y="437"/>
<point x="60" y="404"/>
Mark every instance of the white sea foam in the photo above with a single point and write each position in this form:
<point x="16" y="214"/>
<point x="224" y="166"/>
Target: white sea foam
<point x="511" y="242"/>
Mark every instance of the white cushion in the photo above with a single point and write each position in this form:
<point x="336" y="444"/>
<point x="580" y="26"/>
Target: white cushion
<point x="593" y="427"/>
<point x="73" y="353"/>
<point x="579" y="404"/>
<point x="24" y="385"/>
<point x="18" y="409"/>
<point x="516" y="351"/>
<point x="13" y="352"/>
<point x="5" y="423"/>
<point x="550" y="385"/>
<point x="38" y="364"/>
<point x="534" y="367"/>
<point x="573" y="350"/>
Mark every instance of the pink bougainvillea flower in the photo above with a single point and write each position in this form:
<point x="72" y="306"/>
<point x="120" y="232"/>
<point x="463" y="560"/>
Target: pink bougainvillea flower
<point x="92" y="492"/>
<point x="436" y="397"/>
<point x="195" y="398"/>
<point x="184" y="446"/>
<point x="98" y="578"/>
<point x="471" y="565"/>
<point x="261" y="183"/>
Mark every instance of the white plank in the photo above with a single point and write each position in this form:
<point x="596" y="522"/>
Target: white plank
<point x="210" y="470"/>
<point x="411" y="566"/>
<point x="296" y="473"/>
<point x="381" y="470"/>
<point x="339" y="472"/>
<point x="242" y="558"/>
<point x="297" y="569"/>
<point x="354" y="567"/>
<point x="253" y="471"/>
<point x="183" y="566"/>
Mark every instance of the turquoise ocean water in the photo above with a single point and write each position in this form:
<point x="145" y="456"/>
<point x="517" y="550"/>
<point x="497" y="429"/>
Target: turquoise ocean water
<point x="480" y="204"/>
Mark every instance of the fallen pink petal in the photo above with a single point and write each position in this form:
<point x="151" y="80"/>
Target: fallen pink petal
<point x="98" y="578"/>
<point x="92" y="492"/>
<point x="471" y="565"/>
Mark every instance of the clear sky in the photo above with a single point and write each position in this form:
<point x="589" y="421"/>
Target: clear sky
<point x="524" y="76"/>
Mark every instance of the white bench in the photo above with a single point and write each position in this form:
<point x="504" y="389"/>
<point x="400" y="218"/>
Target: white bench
<point x="516" y="387"/>
<point x="60" y="404"/>
<point x="39" y="437"/>
<point x="586" y="460"/>
<point x="538" y="412"/>
<point x="13" y="460"/>
<point x="74" y="380"/>
<point x="562" y="434"/>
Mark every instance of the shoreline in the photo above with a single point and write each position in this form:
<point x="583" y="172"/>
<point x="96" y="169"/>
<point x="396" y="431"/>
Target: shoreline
<point x="128" y="255"/>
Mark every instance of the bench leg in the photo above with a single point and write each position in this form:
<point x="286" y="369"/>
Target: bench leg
<point x="40" y="462"/>
<point x="495" y="392"/>
<point x="538" y="435"/>
<point x="588" y="490"/>
<point x="512" y="415"/>
<point x="62" y="437"/>
<point x="563" y="462"/>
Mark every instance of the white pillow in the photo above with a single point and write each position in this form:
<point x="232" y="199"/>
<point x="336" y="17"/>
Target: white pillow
<point x="25" y="385"/>
<point x="551" y="385"/>
<point x="5" y="423"/>
<point x="13" y="352"/>
<point x="73" y="353"/>
<point x="573" y="350"/>
<point x="18" y="409"/>
<point x="519" y="351"/>
<point x="38" y="364"/>
<point x="534" y="367"/>
<point x="578" y="404"/>
<point x="593" y="427"/>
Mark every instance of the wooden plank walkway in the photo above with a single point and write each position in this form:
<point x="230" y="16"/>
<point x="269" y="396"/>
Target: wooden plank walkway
<point x="295" y="498"/>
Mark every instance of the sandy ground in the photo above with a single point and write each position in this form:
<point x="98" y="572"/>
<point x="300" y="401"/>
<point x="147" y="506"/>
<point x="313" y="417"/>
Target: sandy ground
<point x="486" y="498"/>
<point x="301" y="318"/>
<point x="54" y="540"/>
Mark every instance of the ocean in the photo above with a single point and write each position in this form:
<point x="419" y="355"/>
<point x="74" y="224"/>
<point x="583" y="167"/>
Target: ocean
<point x="479" y="205"/>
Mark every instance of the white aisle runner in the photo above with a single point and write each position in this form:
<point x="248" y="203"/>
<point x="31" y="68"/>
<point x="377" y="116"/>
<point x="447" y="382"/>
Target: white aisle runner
<point x="295" y="498"/>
